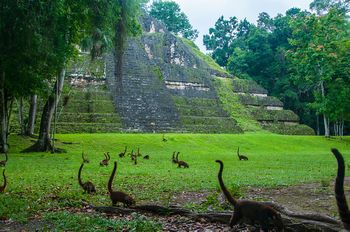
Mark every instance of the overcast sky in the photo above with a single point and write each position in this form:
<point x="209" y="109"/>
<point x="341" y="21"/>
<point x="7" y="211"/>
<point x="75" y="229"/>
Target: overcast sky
<point x="204" y="13"/>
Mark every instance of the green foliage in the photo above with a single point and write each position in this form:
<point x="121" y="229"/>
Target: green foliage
<point x="65" y="221"/>
<point x="169" y="13"/>
<point x="317" y="60"/>
<point x="291" y="56"/>
<point x="220" y="39"/>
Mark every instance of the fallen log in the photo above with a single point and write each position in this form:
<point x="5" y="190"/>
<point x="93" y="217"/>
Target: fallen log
<point x="292" y="221"/>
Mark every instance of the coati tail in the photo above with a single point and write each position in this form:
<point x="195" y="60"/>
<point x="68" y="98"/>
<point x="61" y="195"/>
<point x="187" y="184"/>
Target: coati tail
<point x="111" y="178"/>
<point x="339" y="191"/>
<point x="79" y="175"/>
<point x="222" y="185"/>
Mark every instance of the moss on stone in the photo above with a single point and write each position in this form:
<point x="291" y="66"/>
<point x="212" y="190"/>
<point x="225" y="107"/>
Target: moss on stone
<point x="262" y="114"/>
<point x="233" y="106"/>
<point x="247" y="86"/>
<point x="297" y="129"/>
<point x="252" y="100"/>
<point x="205" y="58"/>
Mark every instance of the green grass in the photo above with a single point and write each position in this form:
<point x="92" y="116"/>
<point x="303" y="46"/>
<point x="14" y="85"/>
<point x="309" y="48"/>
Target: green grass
<point x="42" y="181"/>
<point x="232" y="104"/>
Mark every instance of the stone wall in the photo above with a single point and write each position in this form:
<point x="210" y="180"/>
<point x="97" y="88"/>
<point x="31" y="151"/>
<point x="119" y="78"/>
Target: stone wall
<point x="267" y="110"/>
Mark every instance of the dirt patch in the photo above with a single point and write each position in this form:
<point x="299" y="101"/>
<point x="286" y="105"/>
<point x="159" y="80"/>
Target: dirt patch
<point x="305" y="198"/>
<point x="184" y="198"/>
<point x="33" y="225"/>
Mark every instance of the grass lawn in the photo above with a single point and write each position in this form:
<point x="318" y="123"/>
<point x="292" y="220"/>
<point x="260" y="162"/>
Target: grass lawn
<point x="41" y="182"/>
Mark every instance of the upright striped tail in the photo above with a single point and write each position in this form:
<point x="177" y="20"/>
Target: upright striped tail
<point x="223" y="187"/>
<point x="343" y="208"/>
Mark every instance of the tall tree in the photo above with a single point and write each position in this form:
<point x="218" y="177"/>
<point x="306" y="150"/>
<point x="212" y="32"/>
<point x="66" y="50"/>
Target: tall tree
<point x="169" y="13"/>
<point x="220" y="39"/>
<point x="315" y="53"/>
<point x="23" y="56"/>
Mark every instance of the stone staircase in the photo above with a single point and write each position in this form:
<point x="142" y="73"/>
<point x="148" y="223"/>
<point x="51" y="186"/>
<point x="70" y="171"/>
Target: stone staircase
<point x="89" y="110"/>
<point x="143" y="102"/>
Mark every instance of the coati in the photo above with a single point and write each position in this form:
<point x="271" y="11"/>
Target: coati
<point x="164" y="139"/>
<point x="181" y="163"/>
<point x="122" y="154"/>
<point x="3" y="162"/>
<point x="131" y="153"/>
<point x="138" y="152"/>
<point x="135" y="159"/>
<point x="343" y="208"/>
<point x="241" y="157"/>
<point x="106" y="160"/>
<point x="117" y="196"/>
<point x="146" y="157"/>
<point x="85" y="160"/>
<point x="255" y="212"/>
<point x="173" y="158"/>
<point x="88" y="186"/>
<point x="2" y="188"/>
<point x="133" y="156"/>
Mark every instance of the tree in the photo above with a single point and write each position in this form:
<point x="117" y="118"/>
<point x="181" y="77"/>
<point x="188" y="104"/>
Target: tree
<point x="23" y="58"/>
<point x="220" y="39"/>
<point x="322" y="7"/>
<point x="315" y="56"/>
<point x="64" y="25"/>
<point x="169" y="13"/>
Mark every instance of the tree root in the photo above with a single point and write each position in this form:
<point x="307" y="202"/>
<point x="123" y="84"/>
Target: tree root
<point x="292" y="221"/>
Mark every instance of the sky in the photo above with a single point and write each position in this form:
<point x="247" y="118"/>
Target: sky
<point x="204" y="13"/>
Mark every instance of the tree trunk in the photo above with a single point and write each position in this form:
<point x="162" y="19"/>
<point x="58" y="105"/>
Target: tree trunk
<point x="318" y="125"/>
<point x="326" y="126"/>
<point x="120" y="38"/>
<point x="20" y="116"/>
<point x="3" y="116"/>
<point x="325" y="118"/>
<point x="43" y="143"/>
<point x="342" y="128"/>
<point x="32" y="115"/>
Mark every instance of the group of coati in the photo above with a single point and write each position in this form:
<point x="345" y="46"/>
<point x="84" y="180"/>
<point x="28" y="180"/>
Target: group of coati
<point x="89" y="187"/>
<point x="251" y="211"/>
<point x="133" y="155"/>
<point x="116" y="196"/>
